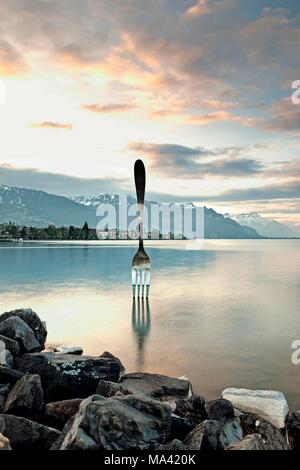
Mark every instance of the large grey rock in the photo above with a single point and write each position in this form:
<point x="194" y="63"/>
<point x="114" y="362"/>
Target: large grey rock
<point x="231" y="432"/>
<point x="32" y="320"/>
<point x="220" y="410"/>
<point x="4" y="443"/>
<point x="268" y="404"/>
<point x="187" y="414"/>
<point x="272" y="437"/>
<point x="156" y="386"/>
<point x="26" y="434"/>
<point x="9" y="376"/>
<point x="11" y="345"/>
<point x="58" y="413"/>
<point x="131" y="422"/>
<point x="26" y="398"/>
<point x="293" y="429"/>
<point x="4" y="391"/>
<point x="16" y="329"/>
<point x="250" y="442"/>
<point x="6" y="359"/>
<point x="214" y="435"/>
<point x="67" y="376"/>
<point x="206" y="436"/>
<point x="192" y="409"/>
<point x="175" y="444"/>
<point x="109" y="389"/>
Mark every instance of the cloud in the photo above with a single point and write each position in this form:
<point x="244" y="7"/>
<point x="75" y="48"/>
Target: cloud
<point x="287" y="169"/>
<point x="285" y="116"/>
<point x="108" y="108"/>
<point x="199" y="8"/>
<point x="11" y="61"/>
<point x="56" y="183"/>
<point x="286" y="190"/>
<point x="204" y="7"/>
<point x="215" y="116"/>
<point x="53" y="125"/>
<point x="183" y="56"/>
<point x="168" y="149"/>
<point x="177" y="161"/>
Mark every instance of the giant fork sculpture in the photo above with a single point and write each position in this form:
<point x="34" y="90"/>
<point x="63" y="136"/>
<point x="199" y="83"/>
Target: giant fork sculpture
<point x="141" y="265"/>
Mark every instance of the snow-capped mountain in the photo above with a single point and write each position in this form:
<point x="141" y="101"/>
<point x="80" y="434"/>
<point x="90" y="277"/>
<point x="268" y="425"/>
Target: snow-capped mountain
<point x="265" y="227"/>
<point x="96" y="199"/>
<point x="216" y="225"/>
<point x="39" y="209"/>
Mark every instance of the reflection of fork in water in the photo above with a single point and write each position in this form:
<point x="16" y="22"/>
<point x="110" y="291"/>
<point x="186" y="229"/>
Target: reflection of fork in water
<point x="141" y="324"/>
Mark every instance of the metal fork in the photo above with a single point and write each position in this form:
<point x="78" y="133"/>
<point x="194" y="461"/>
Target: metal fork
<point x="141" y="265"/>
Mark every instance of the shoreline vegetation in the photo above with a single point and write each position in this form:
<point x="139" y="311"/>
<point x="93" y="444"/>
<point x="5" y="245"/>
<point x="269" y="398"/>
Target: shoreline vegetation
<point x="55" y="398"/>
<point x="10" y="232"/>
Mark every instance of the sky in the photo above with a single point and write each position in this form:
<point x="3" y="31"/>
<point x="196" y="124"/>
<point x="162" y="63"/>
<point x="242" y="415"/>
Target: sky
<point x="199" y="89"/>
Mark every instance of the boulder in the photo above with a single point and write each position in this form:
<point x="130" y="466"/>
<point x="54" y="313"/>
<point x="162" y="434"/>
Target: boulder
<point x="66" y="376"/>
<point x="176" y="444"/>
<point x="6" y="359"/>
<point x="192" y="409"/>
<point x="220" y="410"/>
<point x="26" y="434"/>
<point x="180" y="427"/>
<point x="214" y="435"/>
<point x="11" y="345"/>
<point x="206" y="436"/>
<point x="250" y="442"/>
<point x="156" y="386"/>
<point x="4" y="443"/>
<point x="231" y="432"/>
<point x="9" y="376"/>
<point x="293" y="429"/>
<point x="4" y="391"/>
<point x="268" y="404"/>
<point x="26" y="397"/>
<point x="76" y="350"/>
<point x="86" y="443"/>
<point x="32" y="320"/>
<point x="272" y="437"/>
<point x="15" y="328"/>
<point x="58" y="413"/>
<point x="134" y="422"/>
<point x="108" y="389"/>
<point x="187" y="414"/>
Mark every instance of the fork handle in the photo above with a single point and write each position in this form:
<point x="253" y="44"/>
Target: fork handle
<point x="140" y="185"/>
<point x="140" y="181"/>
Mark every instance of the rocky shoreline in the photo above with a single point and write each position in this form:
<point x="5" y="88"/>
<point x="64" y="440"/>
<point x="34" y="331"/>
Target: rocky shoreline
<point x="63" y="400"/>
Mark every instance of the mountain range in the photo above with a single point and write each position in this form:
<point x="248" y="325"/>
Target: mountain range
<point x="37" y="208"/>
<point x="266" y="227"/>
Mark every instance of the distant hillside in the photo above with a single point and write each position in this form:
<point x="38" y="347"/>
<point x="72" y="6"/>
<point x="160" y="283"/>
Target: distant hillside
<point x="266" y="227"/>
<point x="216" y="225"/>
<point x="38" y="208"/>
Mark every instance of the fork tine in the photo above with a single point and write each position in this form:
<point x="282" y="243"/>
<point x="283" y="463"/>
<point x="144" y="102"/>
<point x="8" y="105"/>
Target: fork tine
<point x="134" y="276"/>
<point x="139" y="282"/>
<point x="143" y="278"/>
<point x="148" y="279"/>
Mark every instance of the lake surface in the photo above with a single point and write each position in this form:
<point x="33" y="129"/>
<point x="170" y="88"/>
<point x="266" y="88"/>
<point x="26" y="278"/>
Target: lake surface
<point x="225" y="315"/>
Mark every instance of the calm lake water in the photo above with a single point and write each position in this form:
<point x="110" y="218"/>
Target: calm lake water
<point x="225" y="315"/>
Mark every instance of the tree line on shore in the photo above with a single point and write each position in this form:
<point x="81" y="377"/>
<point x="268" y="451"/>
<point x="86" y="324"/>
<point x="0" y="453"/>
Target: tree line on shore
<point x="11" y="230"/>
